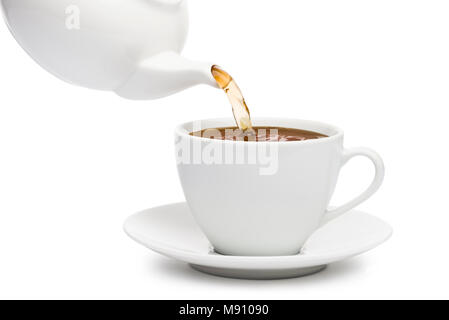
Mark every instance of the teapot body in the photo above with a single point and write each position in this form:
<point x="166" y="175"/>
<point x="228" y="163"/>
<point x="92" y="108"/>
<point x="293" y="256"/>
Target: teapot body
<point x="96" y="43"/>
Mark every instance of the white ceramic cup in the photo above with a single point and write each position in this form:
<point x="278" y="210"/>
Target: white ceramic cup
<point x="265" y="208"/>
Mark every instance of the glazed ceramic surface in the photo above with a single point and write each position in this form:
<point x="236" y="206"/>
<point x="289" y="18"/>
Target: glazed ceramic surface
<point x="131" y="47"/>
<point x="171" y="230"/>
<point x="243" y="209"/>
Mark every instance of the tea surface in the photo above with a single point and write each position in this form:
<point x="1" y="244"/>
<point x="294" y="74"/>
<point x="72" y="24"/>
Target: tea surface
<point x="258" y="134"/>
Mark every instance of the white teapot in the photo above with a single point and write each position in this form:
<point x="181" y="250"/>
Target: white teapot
<point x="131" y="47"/>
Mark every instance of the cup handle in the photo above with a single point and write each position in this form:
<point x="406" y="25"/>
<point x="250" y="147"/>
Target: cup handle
<point x="375" y="185"/>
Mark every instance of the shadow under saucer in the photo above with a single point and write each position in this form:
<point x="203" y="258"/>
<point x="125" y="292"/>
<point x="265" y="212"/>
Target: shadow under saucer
<point x="259" y="274"/>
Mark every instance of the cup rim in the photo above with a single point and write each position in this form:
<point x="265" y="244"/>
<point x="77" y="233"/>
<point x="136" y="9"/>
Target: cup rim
<point x="182" y="131"/>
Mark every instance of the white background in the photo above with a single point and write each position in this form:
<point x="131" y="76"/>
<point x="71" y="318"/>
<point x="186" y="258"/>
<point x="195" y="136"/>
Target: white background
<point x="74" y="163"/>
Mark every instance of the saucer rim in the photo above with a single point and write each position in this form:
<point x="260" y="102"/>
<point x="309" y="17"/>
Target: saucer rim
<point x="250" y="262"/>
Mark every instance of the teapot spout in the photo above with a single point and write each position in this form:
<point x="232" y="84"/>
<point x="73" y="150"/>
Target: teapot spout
<point x="165" y="74"/>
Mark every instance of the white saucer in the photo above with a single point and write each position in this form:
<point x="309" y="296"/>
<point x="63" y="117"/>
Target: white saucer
<point x="171" y="231"/>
